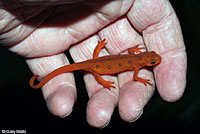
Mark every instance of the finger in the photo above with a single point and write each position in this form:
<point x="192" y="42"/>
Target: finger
<point x="162" y="33"/>
<point x="102" y="101"/>
<point x="60" y="91"/>
<point x="64" y="32"/>
<point x="121" y="36"/>
<point x="49" y="2"/>
<point x="133" y="95"/>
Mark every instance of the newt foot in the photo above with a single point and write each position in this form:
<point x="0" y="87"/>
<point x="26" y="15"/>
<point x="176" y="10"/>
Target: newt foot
<point x="108" y="85"/>
<point x="145" y="82"/>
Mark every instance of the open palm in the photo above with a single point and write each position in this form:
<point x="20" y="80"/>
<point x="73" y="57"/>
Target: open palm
<point x="41" y="32"/>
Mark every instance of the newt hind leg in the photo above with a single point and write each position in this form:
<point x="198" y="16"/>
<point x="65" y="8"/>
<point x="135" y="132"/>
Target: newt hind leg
<point x="144" y="81"/>
<point x="106" y="84"/>
<point x="98" y="48"/>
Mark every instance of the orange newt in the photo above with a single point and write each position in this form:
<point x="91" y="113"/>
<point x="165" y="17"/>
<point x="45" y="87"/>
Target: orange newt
<point x="111" y="64"/>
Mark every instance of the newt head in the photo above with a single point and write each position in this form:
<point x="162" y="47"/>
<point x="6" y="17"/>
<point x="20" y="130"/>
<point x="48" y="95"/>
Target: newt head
<point x="150" y="59"/>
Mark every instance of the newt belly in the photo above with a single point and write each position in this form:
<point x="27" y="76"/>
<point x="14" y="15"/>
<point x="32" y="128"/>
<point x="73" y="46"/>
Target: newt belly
<point x="111" y="64"/>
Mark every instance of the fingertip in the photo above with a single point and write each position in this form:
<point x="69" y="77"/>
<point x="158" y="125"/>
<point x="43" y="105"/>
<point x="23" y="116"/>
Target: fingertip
<point x="171" y="79"/>
<point x="98" y="118"/>
<point x="60" y="102"/>
<point x="132" y="101"/>
<point x="100" y="108"/>
<point x="171" y="94"/>
<point x="137" y="117"/>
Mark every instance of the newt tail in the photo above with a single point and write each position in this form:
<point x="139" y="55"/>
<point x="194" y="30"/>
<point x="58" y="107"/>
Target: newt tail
<point x="64" y="69"/>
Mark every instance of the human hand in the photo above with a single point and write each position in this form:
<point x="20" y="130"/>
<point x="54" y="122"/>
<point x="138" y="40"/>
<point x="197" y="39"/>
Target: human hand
<point x="41" y="33"/>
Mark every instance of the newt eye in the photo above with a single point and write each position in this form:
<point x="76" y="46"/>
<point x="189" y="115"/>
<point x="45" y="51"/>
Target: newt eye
<point x="153" y="62"/>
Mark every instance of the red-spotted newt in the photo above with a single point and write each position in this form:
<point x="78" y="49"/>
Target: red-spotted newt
<point x="111" y="64"/>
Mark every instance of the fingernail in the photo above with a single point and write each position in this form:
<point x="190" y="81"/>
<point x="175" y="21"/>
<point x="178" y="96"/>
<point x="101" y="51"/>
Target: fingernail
<point x="137" y="117"/>
<point x="105" y="125"/>
<point x="66" y="114"/>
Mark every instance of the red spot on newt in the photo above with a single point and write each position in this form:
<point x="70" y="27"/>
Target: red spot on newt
<point x="111" y="64"/>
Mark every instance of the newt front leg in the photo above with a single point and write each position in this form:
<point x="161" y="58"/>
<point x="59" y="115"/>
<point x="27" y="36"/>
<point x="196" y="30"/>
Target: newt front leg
<point x="135" y="50"/>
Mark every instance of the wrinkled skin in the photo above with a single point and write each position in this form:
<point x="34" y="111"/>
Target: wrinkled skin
<point x="41" y="32"/>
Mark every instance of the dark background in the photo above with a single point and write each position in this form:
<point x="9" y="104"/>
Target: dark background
<point x="24" y="108"/>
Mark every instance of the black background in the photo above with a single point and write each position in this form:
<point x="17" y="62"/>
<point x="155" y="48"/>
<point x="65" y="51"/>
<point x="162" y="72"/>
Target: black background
<point x="24" y="108"/>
